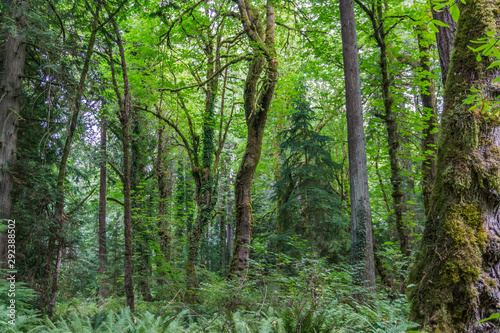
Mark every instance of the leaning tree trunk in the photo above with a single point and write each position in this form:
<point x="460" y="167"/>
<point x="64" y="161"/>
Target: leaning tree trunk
<point x="103" y="261"/>
<point x="10" y="107"/>
<point x="455" y="280"/>
<point x="361" y="222"/>
<point x="61" y="178"/>
<point x="256" y="110"/>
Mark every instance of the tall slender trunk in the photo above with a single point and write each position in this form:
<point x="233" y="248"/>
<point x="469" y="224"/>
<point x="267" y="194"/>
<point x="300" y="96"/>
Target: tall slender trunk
<point x="139" y="223"/>
<point x="456" y="274"/>
<point x="10" y="107"/>
<point x="103" y="250"/>
<point x="444" y="39"/>
<point x="256" y="105"/>
<point x="163" y="226"/>
<point x="59" y="205"/>
<point x="361" y="221"/>
<point x="125" y="113"/>
<point x="429" y="117"/>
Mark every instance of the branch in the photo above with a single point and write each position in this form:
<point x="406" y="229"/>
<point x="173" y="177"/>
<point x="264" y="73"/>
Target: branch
<point x="195" y="85"/>
<point x="176" y="129"/>
<point x="162" y="39"/>
<point x="82" y="202"/>
<point x="115" y="200"/>
<point x="116" y="170"/>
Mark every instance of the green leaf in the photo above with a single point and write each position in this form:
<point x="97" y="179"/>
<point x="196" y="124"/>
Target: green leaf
<point x="455" y="12"/>
<point x="441" y="24"/>
<point x="493" y="316"/>
<point x="494" y="63"/>
<point x="478" y="57"/>
<point x="496" y="80"/>
<point x="490" y="33"/>
<point x="433" y="28"/>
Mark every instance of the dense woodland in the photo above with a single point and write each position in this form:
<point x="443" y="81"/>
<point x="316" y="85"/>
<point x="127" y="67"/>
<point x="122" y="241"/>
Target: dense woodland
<point x="250" y="166"/>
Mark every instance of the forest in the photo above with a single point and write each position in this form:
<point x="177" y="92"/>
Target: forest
<point x="250" y="166"/>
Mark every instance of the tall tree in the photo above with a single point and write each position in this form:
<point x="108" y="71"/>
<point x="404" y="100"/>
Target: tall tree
<point x="124" y="114"/>
<point x="378" y="19"/>
<point x="14" y="54"/>
<point x="256" y="104"/>
<point x="361" y="222"/>
<point x="103" y="250"/>
<point x="455" y="277"/>
<point x="430" y="116"/>
<point x="445" y="35"/>
<point x="61" y="177"/>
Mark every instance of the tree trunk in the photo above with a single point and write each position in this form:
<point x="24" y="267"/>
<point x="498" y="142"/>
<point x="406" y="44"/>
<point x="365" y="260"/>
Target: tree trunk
<point x="456" y="275"/>
<point x="125" y="111"/>
<point x="139" y="223"/>
<point x="256" y="109"/>
<point x="429" y="112"/>
<point x="10" y="107"/>
<point x="59" y="205"/>
<point x="163" y="226"/>
<point x="444" y="39"/>
<point x="103" y="261"/>
<point x="361" y="221"/>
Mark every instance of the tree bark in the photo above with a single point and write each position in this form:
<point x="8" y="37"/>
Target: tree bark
<point x="444" y="39"/>
<point x="10" y="107"/>
<point x="430" y="120"/>
<point x="361" y="221"/>
<point x="256" y="107"/>
<point x="456" y="274"/>
<point x="103" y="261"/>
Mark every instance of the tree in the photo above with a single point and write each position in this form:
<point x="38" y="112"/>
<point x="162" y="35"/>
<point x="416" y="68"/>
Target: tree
<point x="361" y="222"/>
<point x="445" y="34"/>
<point x="308" y="207"/>
<point x="103" y="260"/>
<point x="256" y="105"/>
<point x="454" y="282"/>
<point x="13" y="59"/>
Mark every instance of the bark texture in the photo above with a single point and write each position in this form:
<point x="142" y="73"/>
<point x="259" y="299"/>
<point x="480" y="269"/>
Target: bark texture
<point x="444" y="39"/>
<point x="361" y="222"/>
<point x="256" y="104"/>
<point x="455" y="280"/>
<point x="14" y="54"/>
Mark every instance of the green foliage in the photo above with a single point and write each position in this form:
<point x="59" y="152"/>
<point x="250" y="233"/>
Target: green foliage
<point x="308" y="205"/>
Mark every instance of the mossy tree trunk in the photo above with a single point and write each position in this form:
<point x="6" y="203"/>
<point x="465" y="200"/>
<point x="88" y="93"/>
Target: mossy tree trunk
<point x="455" y="280"/>
<point x="256" y="104"/>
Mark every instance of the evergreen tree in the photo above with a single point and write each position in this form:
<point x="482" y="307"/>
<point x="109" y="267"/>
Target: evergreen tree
<point x="308" y="206"/>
